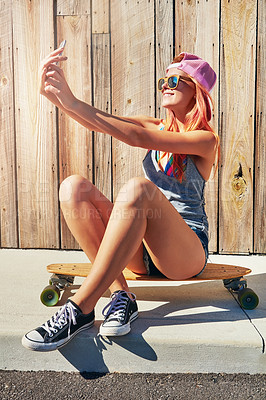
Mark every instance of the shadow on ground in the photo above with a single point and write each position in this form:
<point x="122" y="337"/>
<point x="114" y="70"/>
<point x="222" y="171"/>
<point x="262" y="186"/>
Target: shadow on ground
<point x="189" y="304"/>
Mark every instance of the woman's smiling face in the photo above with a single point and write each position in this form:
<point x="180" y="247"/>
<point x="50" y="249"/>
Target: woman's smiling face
<point x="180" y="98"/>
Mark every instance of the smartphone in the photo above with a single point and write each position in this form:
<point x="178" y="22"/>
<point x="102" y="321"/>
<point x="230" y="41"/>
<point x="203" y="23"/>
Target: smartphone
<point x="62" y="45"/>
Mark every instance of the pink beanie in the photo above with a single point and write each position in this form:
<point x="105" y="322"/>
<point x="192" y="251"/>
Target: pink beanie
<point x="197" y="68"/>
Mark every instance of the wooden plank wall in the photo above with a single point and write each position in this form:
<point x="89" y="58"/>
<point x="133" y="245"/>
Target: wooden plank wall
<point x="35" y="127"/>
<point x="260" y="146"/>
<point x="117" y="49"/>
<point x="238" y="53"/>
<point x="8" y="190"/>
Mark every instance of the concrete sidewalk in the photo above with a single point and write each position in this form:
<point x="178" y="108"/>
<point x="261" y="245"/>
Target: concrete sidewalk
<point x="182" y="326"/>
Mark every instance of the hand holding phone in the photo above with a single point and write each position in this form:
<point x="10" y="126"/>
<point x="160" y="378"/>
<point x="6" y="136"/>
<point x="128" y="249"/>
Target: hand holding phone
<point x="48" y="66"/>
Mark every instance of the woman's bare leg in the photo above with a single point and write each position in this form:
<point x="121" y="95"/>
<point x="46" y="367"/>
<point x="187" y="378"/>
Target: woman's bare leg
<point x="87" y="212"/>
<point x="140" y="212"/>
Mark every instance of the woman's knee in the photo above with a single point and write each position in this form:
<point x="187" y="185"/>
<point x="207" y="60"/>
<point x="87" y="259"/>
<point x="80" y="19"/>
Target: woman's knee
<point x="136" y="191"/>
<point x="74" y="188"/>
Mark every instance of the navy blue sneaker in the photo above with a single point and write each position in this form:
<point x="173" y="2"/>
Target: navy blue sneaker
<point x="60" y="329"/>
<point x="122" y="310"/>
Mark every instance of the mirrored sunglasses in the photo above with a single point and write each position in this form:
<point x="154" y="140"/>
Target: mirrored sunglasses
<point x="172" y="81"/>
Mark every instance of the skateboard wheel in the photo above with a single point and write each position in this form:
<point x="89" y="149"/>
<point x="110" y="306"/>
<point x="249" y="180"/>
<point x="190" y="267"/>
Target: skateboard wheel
<point x="248" y="299"/>
<point x="50" y="296"/>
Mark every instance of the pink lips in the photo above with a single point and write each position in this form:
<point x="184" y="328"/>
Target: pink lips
<point x="168" y="93"/>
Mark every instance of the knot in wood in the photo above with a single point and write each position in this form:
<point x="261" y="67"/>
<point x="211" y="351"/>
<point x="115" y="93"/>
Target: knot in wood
<point x="239" y="186"/>
<point x="4" y="81"/>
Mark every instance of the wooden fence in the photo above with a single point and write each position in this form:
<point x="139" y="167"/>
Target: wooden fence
<point x="116" y="51"/>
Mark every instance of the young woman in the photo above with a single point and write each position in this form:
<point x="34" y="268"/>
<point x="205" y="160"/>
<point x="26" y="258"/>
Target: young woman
<point x="157" y="224"/>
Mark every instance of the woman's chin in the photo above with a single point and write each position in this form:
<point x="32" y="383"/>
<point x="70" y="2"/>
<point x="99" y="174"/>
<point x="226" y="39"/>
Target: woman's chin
<point x="169" y="102"/>
<point x="168" y="105"/>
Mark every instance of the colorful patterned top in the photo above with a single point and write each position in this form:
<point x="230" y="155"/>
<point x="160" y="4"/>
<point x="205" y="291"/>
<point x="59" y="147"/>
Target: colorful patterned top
<point x="165" y="161"/>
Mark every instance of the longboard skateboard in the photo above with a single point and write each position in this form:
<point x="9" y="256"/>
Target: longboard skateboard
<point x="232" y="276"/>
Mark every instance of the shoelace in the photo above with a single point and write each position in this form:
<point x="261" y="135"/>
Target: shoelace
<point x="60" y="319"/>
<point x="117" y="305"/>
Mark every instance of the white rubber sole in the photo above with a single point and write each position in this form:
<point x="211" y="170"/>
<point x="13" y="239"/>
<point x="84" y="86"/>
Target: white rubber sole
<point x="118" y="331"/>
<point x="43" y="347"/>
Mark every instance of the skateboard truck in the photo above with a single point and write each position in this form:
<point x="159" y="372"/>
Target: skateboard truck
<point x="235" y="284"/>
<point x="61" y="281"/>
<point x="247" y="298"/>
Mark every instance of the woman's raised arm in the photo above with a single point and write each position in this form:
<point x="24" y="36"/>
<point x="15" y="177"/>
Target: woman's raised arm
<point x="54" y="87"/>
<point x="137" y="132"/>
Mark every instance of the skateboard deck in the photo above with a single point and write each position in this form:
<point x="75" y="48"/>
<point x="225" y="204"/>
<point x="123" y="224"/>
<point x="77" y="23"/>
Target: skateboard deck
<point x="211" y="272"/>
<point x="232" y="276"/>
